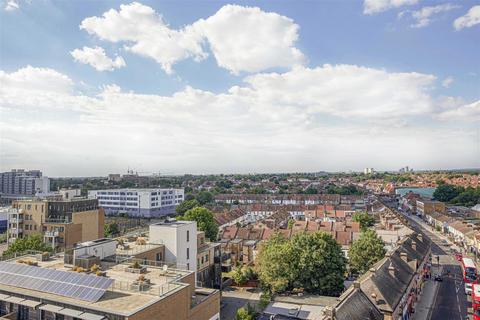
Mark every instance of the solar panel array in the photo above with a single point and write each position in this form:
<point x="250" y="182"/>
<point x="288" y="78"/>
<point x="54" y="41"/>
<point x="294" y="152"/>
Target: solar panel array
<point x="64" y="283"/>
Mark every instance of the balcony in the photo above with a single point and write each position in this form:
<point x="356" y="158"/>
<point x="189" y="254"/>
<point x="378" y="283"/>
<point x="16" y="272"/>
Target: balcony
<point x="51" y="234"/>
<point x="16" y="230"/>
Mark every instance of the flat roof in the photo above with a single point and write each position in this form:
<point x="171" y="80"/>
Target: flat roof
<point x="173" y="224"/>
<point x="120" y="298"/>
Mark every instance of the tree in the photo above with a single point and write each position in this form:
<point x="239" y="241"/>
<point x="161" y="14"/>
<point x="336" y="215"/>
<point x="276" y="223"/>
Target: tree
<point x="245" y="313"/>
<point x="366" y="220"/>
<point x="446" y="192"/>
<point x="366" y="251"/>
<point x="311" y="190"/>
<point x="111" y="229"/>
<point x="33" y="242"/>
<point x="312" y="261"/>
<point x="204" y="197"/>
<point x="205" y="221"/>
<point x="291" y="223"/>
<point x="187" y="205"/>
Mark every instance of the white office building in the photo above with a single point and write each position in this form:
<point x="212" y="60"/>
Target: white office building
<point x="138" y="202"/>
<point x="180" y="241"/>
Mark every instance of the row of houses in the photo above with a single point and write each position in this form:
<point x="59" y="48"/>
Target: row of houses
<point x="240" y="244"/>
<point x="248" y="214"/>
<point x="286" y="199"/>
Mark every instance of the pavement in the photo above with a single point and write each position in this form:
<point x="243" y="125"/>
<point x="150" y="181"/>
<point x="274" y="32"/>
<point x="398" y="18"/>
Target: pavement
<point x="446" y="299"/>
<point x="234" y="298"/>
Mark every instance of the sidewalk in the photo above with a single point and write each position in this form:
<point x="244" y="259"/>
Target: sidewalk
<point x="426" y="300"/>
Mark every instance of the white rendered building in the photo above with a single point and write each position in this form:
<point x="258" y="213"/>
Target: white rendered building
<point x="180" y="241"/>
<point x="138" y="202"/>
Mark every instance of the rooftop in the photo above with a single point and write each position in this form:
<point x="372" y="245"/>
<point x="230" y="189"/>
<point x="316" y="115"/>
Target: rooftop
<point x="123" y="297"/>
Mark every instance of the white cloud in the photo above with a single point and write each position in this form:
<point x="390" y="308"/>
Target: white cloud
<point x="447" y="82"/>
<point x="343" y="110"/>
<point x="468" y="112"/>
<point x="471" y="18"/>
<point x="97" y="58"/>
<point x="249" y="39"/>
<point x="376" y="6"/>
<point x="11" y="5"/>
<point x="423" y="17"/>
<point x="36" y="79"/>
<point x="241" y="38"/>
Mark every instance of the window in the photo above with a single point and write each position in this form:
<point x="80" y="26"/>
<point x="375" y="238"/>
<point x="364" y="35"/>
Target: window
<point x="188" y="253"/>
<point x="188" y="235"/>
<point x="159" y="256"/>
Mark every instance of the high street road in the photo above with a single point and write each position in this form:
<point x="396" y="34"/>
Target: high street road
<point x="450" y="300"/>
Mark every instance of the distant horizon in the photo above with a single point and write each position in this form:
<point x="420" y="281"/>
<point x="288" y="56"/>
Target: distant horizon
<point x="464" y="170"/>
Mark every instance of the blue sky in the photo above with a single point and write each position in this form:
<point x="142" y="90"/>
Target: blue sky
<point x="233" y="102"/>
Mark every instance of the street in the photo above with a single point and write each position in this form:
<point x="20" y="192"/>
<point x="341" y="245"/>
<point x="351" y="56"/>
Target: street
<point x="450" y="300"/>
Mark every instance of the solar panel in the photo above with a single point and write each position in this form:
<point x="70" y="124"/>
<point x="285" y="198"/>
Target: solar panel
<point x="68" y="284"/>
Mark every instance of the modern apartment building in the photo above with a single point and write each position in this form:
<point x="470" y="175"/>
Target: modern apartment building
<point x="19" y="183"/>
<point x="180" y="240"/>
<point x="138" y="202"/>
<point x="62" y="223"/>
<point x="129" y="289"/>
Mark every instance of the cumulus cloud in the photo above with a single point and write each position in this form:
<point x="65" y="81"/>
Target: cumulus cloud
<point x="249" y="39"/>
<point x="423" y="17"/>
<point x="471" y="18"/>
<point x="377" y="6"/>
<point x="11" y="5"/>
<point x="468" y="112"/>
<point x="343" y="110"/>
<point x="97" y="58"/>
<point x="447" y="82"/>
<point x="241" y="38"/>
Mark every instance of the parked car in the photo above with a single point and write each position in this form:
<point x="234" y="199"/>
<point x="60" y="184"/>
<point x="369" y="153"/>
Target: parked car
<point x="468" y="289"/>
<point x="438" y="277"/>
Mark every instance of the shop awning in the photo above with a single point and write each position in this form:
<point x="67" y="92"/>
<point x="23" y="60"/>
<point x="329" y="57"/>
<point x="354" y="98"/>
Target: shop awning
<point x="50" y="308"/>
<point x="30" y="303"/>
<point x="90" y="316"/>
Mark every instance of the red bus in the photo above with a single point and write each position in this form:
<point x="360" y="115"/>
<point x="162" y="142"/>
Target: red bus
<point x="476" y="301"/>
<point x="469" y="271"/>
<point x="476" y="297"/>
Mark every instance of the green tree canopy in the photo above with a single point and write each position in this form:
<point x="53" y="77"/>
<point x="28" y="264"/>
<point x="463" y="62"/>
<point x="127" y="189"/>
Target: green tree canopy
<point x="205" y="221"/>
<point x="312" y="261"/>
<point x="366" y="220"/>
<point x="446" y="192"/>
<point x="204" y="197"/>
<point x="187" y="205"/>
<point x="365" y="251"/>
<point x="245" y="313"/>
<point x="111" y="229"/>
<point x="32" y="242"/>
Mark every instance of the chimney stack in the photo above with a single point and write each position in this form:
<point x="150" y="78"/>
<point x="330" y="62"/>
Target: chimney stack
<point x="391" y="270"/>
<point x="356" y="284"/>
<point x="414" y="245"/>
<point x="374" y="297"/>
<point x="420" y="237"/>
<point x="403" y="255"/>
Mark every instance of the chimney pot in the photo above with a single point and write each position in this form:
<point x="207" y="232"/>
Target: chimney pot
<point x="374" y="297"/>
<point x="391" y="270"/>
